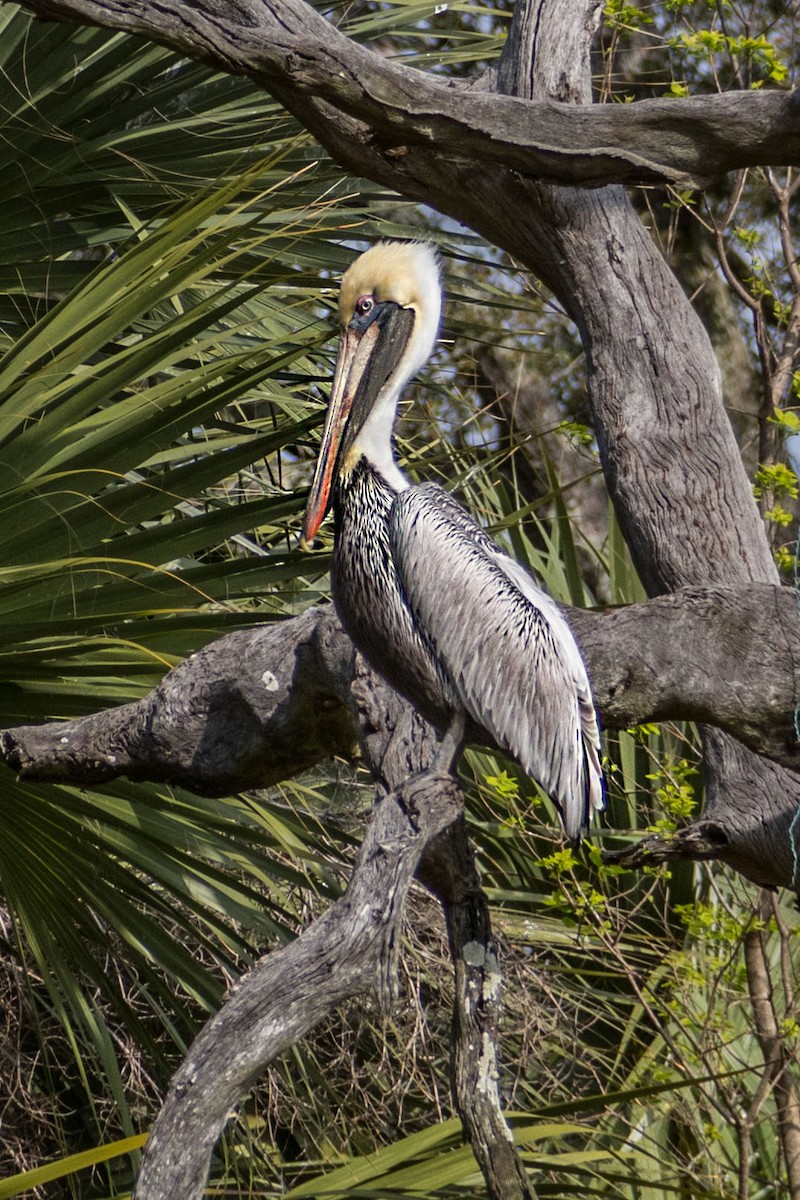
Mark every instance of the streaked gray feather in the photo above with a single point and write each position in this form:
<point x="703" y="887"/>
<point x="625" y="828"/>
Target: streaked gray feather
<point x="507" y="651"/>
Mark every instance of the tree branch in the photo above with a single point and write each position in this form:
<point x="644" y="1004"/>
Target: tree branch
<point x="352" y="947"/>
<point x="449" y="870"/>
<point x="779" y="1061"/>
<point x="289" y="991"/>
<point x="260" y="705"/>
<point x="399" y="125"/>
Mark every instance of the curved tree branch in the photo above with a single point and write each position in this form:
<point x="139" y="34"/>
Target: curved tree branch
<point x="262" y="704"/>
<point x="398" y="125"/>
<point x="289" y="991"/>
<point x="351" y="948"/>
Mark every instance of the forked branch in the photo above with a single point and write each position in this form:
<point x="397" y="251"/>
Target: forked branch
<point x="288" y="992"/>
<point x="412" y="129"/>
<point x="352" y="948"/>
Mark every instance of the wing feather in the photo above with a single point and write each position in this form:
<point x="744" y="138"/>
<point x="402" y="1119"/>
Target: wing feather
<point x="507" y="650"/>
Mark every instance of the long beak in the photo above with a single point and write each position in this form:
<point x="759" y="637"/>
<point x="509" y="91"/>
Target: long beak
<point x="367" y="356"/>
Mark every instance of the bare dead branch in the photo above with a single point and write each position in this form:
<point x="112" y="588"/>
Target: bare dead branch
<point x="260" y="705"/>
<point x="351" y="948"/>
<point x="380" y="117"/>
<point x="289" y="991"/>
<point x="249" y="710"/>
<point x="449" y="870"/>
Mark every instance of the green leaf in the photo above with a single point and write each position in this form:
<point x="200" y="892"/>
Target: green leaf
<point x="16" y="1185"/>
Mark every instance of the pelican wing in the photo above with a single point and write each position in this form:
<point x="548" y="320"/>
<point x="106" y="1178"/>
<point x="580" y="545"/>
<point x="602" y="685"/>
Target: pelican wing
<point x="507" y="650"/>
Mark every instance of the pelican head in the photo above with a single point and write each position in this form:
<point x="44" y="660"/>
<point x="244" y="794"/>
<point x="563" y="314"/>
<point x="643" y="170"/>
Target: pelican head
<point x="389" y="310"/>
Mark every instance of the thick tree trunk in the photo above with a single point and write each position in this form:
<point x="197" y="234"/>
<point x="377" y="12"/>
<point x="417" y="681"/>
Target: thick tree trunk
<point x="670" y="459"/>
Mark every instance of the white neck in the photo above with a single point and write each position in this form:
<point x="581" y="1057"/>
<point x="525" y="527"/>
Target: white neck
<point x="374" y="441"/>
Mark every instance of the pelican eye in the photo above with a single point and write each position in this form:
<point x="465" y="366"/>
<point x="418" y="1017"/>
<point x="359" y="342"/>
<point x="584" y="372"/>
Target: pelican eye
<point x="364" y="305"/>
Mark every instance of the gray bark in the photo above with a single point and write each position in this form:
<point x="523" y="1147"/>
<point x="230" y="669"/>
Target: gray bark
<point x="417" y="825"/>
<point x="449" y="870"/>
<point x="260" y="705"/>
<point x="669" y="456"/>
<point x="289" y="991"/>
<point x="392" y="123"/>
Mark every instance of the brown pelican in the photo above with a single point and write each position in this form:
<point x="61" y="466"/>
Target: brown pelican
<point x="449" y="620"/>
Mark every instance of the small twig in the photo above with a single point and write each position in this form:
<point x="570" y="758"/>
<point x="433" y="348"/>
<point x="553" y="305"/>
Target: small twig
<point x="778" y="1076"/>
<point x="696" y="843"/>
<point x="785" y="358"/>
<point x="787" y="964"/>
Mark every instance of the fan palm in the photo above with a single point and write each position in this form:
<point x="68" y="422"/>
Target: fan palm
<point x="163" y="306"/>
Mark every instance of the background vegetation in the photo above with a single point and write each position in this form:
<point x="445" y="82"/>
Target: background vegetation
<point x="170" y="243"/>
